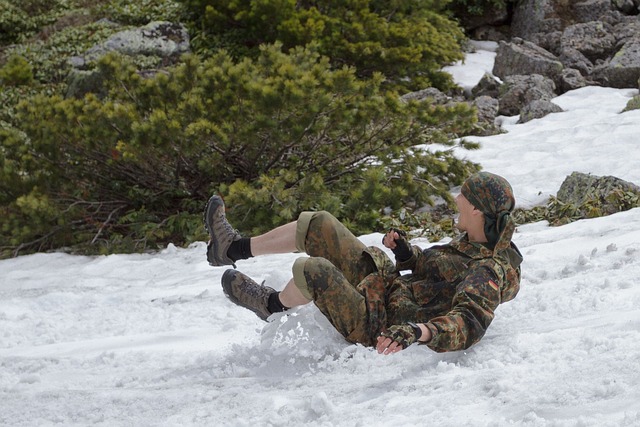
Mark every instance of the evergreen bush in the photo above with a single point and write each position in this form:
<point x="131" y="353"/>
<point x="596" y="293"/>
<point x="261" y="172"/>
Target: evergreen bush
<point x="16" y="72"/>
<point x="275" y="135"/>
<point x="477" y="7"/>
<point x="15" y="23"/>
<point x="141" y="12"/>
<point x="407" y="41"/>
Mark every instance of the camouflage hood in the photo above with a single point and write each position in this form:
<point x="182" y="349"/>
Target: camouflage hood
<point x="493" y="196"/>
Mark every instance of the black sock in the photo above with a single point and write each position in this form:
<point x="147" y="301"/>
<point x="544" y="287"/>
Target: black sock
<point x="274" y="305"/>
<point x="240" y="249"/>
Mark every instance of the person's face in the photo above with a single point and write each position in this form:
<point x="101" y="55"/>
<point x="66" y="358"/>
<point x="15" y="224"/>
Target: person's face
<point x="468" y="215"/>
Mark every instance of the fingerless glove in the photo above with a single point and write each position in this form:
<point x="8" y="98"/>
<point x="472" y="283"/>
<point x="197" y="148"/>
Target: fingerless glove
<point x="405" y="335"/>
<point x="402" y="251"/>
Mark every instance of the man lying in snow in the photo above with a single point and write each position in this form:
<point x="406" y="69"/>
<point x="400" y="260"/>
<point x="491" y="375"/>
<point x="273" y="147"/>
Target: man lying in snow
<point x="447" y="302"/>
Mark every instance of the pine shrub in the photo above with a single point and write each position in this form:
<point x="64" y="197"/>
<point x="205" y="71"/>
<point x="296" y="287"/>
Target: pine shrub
<point x="464" y="8"/>
<point x="405" y="40"/>
<point x="275" y="135"/>
<point x="16" y="72"/>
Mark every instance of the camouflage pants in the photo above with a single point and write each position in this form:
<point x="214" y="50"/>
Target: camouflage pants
<point x="345" y="279"/>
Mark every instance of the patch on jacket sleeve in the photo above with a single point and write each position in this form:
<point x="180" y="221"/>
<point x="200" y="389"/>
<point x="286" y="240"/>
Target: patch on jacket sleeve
<point x="494" y="285"/>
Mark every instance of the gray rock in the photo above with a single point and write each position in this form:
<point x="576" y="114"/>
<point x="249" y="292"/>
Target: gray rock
<point x="487" y="86"/>
<point x="538" y="109"/>
<point x="163" y="39"/>
<point x="523" y="57"/>
<point x="626" y="30"/>
<point x="487" y="108"/>
<point x="595" y="40"/>
<point x="591" y="10"/>
<point x="572" y="58"/>
<point x="579" y="188"/>
<point x="521" y="90"/>
<point x="623" y="70"/>
<point x="550" y="41"/>
<point x="431" y="93"/>
<point x="164" y="42"/>
<point x="531" y="17"/>
<point x="571" y="79"/>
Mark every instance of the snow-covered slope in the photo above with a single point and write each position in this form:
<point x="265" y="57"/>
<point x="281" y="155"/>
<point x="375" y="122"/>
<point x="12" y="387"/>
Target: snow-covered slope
<point x="150" y="340"/>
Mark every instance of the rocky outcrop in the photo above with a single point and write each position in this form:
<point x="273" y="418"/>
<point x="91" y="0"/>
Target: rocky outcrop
<point x="607" y="194"/>
<point x="548" y="48"/>
<point x="161" y="39"/>
<point x="159" y="43"/>
<point x="598" y="38"/>
<point x="594" y="40"/>
<point x="623" y="70"/>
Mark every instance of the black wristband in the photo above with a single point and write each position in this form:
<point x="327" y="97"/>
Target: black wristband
<point x="416" y="329"/>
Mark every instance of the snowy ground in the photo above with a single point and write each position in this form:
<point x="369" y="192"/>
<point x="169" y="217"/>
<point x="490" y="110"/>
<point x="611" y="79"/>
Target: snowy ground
<point x="150" y="340"/>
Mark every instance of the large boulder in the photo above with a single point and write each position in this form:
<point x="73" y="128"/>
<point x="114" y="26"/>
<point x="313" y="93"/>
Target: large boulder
<point x="522" y="57"/>
<point x="158" y="44"/>
<point x="627" y="29"/>
<point x="623" y="70"/>
<point x="594" y="40"/>
<point x="591" y="10"/>
<point x="519" y="91"/>
<point x="162" y="39"/>
<point x="593" y="192"/>
<point x="533" y="17"/>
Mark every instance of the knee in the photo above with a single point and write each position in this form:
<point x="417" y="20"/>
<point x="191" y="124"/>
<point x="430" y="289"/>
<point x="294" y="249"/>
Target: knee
<point x="314" y="275"/>
<point x="325" y="214"/>
<point x="311" y="229"/>
<point x="318" y="266"/>
<point x="324" y="217"/>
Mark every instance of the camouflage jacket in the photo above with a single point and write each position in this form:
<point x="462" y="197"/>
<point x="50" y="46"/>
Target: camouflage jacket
<point x="454" y="289"/>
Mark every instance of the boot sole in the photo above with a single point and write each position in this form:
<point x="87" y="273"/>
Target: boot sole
<point x="213" y="204"/>
<point x="227" y="277"/>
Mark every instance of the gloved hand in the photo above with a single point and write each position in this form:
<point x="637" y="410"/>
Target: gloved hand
<point x="404" y="335"/>
<point x="399" y="246"/>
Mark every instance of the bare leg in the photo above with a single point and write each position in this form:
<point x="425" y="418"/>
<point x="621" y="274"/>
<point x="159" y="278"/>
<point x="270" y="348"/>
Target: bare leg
<point x="291" y="295"/>
<point x="280" y="240"/>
